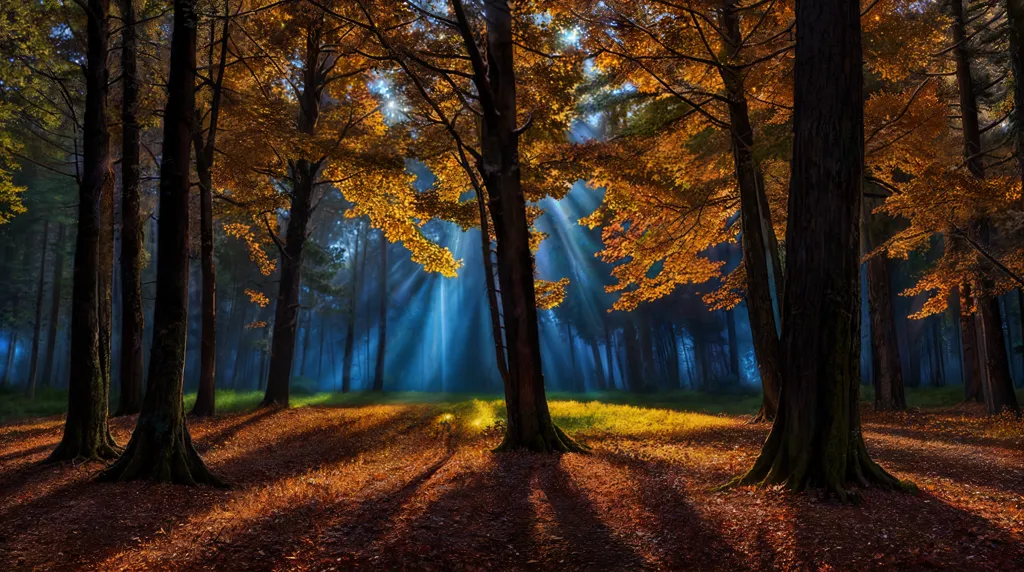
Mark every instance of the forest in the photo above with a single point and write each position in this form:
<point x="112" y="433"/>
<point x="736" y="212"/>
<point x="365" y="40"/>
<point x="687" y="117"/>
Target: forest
<point x="511" y="284"/>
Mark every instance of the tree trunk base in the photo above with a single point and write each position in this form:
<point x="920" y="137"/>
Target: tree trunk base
<point x="550" y="440"/>
<point x="78" y="448"/>
<point x="762" y="416"/>
<point x="203" y="408"/>
<point x="833" y="473"/>
<point x="159" y="451"/>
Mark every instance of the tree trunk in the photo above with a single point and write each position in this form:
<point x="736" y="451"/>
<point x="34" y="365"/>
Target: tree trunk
<point x="999" y="391"/>
<point x="758" y="237"/>
<point x="1015" y="26"/>
<point x="12" y="344"/>
<point x="382" y="326"/>
<point x="887" y="373"/>
<point x="303" y="175"/>
<point x="609" y="354"/>
<point x="599" y="377"/>
<point x="529" y="421"/>
<point x="105" y="280"/>
<point x="161" y="447"/>
<point x="30" y="387"/>
<point x="816" y="438"/>
<point x="205" y="405"/>
<point x="132" y="317"/>
<point x="734" y="349"/>
<point x="971" y="363"/>
<point x="56" y="283"/>
<point x="85" y="430"/>
<point x="350" y="328"/>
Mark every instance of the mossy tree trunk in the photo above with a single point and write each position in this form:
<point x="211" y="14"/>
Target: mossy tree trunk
<point x="816" y="439"/>
<point x="161" y="448"/>
<point x="86" y="435"/>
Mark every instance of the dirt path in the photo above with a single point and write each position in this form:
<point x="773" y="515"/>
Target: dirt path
<point x="383" y="487"/>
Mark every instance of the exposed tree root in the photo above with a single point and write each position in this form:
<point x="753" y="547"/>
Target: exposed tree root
<point x="76" y="446"/>
<point x="161" y="452"/>
<point x="550" y="440"/>
<point x="831" y="472"/>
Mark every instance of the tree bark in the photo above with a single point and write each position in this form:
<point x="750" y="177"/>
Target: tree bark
<point x="758" y="237"/>
<point x="205" y="405"/>
<point x="56" y="283"/>
<point x="161" y="447"/>
<point x="529" y="421"/>
<point x="887" y="372"/>
<point x="382" y="326"/>
<point x="304" y="174"/>
<point x="132" y="317"/>
<point x="30" y="387"/>
<point x="816" y="438"/>
<point x="85" y="430"/>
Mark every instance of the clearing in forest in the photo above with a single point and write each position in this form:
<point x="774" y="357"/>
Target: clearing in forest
<point x="415" y="486"/>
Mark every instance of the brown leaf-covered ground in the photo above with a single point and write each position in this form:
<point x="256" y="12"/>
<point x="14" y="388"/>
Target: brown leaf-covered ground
<point x="386" y="487"/>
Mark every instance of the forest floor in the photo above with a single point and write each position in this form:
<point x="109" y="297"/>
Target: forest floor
<point x="415" y="486"/>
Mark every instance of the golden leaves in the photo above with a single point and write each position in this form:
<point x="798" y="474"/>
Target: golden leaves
<point x="259" y="256"/>
<point x="257" y="297"/>
<point x="550" y="294"/>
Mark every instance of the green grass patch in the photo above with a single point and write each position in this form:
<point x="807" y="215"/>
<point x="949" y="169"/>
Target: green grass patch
<point x="571" y="410"/>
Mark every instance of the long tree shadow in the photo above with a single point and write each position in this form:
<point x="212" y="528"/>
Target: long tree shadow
<point x="898" y="531"/>
<point x="590" y="543"/>
<point x="964" y="468"/>
<point x="484" y="519"/>
<point x="130" y="514"/>
<point x="685" y="539"/>
<point x="941" y="436"/>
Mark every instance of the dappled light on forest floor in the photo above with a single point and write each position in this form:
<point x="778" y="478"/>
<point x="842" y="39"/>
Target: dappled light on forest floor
<point x="416" y="486"/>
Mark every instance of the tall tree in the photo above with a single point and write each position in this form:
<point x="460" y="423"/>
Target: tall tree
<point x="887" y="372"/>
<point x="161" y="446"/>
<point x="205" y="151"/>
<point x="30" y="387"/>
<point x="382" y="322"/>
<point x="816" y="439"/>
<point x="132" y="318"/>
<point x="56" y="289"/>
<point x="86" y="434"/>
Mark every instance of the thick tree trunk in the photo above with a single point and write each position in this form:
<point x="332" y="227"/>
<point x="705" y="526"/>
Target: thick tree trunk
<point x="132" y="318"/>
<point x="56" y="283"/>
<point x="529" y="421"/>
<point x="85" y="431"/>
<point x="161" y="447"/>
<point x="382" y="326"/>
<point x="816" y="438"/>
<point x="759" y="244"/>
<point x="30" y="386"/>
